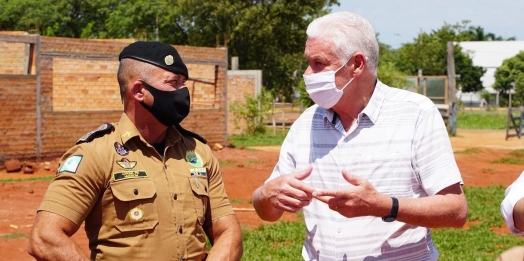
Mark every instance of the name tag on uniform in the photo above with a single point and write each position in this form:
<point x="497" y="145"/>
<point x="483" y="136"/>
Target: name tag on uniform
<point x="129" y="175"/>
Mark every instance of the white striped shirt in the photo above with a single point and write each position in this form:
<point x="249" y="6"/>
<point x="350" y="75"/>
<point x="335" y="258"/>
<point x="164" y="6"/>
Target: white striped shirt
<point x="512" y="195"/>
<point x="400" y="144"/>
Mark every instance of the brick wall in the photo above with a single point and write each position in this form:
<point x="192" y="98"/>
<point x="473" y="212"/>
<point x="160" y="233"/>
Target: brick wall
<point x="79" y="92"/>
<point x="239" y="84"/>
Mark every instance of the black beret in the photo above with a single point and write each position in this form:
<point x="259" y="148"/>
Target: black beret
<point x="156" y="53"/>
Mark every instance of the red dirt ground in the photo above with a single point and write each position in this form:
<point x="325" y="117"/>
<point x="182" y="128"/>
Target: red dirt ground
<point x="244" y="170"/>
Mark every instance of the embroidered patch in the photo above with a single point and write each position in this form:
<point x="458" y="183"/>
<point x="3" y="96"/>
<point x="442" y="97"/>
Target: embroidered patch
<point x="132" y="174"/>
<point x="120" y="149"/>
<point x="71" y="164"/>
<point x="126" y="164"/>
<point x="194" y="159"/>
<point x="136" y="213"/>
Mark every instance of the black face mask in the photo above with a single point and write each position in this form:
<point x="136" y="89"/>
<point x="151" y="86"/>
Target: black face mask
<point x="169" y="107"/>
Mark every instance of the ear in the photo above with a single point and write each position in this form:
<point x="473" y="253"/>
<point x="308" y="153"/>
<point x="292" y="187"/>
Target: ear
<point x="360" y="63"/>
<point x="137" y="91"/>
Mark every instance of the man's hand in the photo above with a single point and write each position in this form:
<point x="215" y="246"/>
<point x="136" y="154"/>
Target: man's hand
<point x="287" y="193"/>
<point x="357" y="201"/>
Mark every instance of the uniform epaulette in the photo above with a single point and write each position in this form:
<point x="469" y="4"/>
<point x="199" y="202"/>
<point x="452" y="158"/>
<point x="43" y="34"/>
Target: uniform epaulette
<point x="190" y="133"/>
<point x="92" y="134"/>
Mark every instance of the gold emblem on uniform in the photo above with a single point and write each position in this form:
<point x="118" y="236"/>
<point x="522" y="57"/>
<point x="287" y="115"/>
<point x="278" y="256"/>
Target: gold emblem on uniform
<point x="193" y="158"/>
<point x="136" y="213"/>
<point x="169" y="60"/>
<point x="126" y="164"/>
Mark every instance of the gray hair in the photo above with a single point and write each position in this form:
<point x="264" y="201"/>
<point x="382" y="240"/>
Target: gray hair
<point x="349" y="33"/>
<point x="130" y="68"/>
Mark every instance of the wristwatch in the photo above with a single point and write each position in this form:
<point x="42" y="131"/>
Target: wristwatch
<point x="392" y="216"/>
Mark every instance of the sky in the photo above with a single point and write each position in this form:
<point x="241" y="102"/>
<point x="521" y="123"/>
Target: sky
<point x="399" y="22"/>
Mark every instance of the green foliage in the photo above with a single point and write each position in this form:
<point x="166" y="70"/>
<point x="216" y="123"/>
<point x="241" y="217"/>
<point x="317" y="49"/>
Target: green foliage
<point x="492" y="120"/>
<point x="279" y="242"/>
<point x="42" y="178"/>
<point x="253" y="112"/>
<point x="13" y="236"/>
<point x="511" y="75"/>
<point x="429" y="53"/>
<point x="304" y="100"/>
<point x="468" y="151"/>
<point x="265" y="139"/>
<point x="387" y="71"/>
<point x="517" y="157"/>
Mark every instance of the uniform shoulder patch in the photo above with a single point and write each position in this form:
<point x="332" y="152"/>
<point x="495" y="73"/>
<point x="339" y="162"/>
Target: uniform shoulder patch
<point x="104" y="128"/>
<point x="190" y="133"/>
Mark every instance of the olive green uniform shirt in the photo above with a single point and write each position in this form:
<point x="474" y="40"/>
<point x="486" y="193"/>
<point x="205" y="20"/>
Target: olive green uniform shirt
<point x="136" y="204"/>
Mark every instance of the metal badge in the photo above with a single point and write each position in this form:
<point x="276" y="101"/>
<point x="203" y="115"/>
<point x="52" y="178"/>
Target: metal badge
<point x="169" y="60"/>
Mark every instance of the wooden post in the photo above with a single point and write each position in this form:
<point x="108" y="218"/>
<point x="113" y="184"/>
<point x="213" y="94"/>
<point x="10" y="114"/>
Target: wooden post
<point x="283" y="124"/>
<point x="452" y="129"/>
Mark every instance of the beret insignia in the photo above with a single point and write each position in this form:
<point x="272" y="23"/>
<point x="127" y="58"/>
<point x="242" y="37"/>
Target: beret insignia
<point x="169" y="60"/>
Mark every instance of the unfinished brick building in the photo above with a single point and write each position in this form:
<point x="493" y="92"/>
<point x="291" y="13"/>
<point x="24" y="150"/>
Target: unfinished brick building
<point x="54" y="90"/>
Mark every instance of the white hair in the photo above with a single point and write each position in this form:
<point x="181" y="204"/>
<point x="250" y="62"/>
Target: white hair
<point x="349" y="33"/>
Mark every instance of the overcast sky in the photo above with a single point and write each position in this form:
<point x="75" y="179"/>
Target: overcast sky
<point x="400" y="21"/>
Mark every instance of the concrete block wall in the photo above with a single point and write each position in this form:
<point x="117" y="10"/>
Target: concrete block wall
<point x="79" y="92"/>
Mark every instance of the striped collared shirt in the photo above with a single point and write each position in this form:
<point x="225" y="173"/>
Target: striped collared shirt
<point x="400" y="144"/>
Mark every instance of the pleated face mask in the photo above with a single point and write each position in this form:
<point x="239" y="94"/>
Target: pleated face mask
<point x="322" y="88"/>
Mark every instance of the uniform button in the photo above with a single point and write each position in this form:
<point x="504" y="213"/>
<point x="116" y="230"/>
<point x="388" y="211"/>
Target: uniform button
<point x="135" y="191"/>
<point x="205" y="188"/>
<point x="182" y="259"/>
<point x="175" y="196"/>
<point x="180" y="230"/>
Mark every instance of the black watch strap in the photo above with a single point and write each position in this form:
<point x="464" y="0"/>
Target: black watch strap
<point x="392" y="216"/>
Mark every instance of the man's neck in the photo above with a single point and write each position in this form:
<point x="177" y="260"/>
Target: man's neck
<point x="150" y="129"/>
<point x="354" y="102"/>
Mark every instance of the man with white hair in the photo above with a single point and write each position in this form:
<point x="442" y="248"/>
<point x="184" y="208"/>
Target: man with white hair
<point x="371" y="166"/>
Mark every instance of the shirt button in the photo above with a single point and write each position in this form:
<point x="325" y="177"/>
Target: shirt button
<point x="339" y="230"/>
<point x="135" y="191"/>
<point x="180" y="230"/>
<point x="175" y="196"/>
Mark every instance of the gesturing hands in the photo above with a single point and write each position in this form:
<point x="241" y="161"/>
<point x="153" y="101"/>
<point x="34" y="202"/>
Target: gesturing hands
<point x="360" y="200"/>
<point x="289" y="193"/>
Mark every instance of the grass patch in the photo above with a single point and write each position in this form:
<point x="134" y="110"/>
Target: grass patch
<point x="13" y="236"/>
<point x="45" y="178"/>
<point x="509" y="160"/>
<point x="486" y="120"/>
<point x="468" y="151"/>
<point x="228" y="163"/>
<point x="518" y="158"/>
<point x="240" y="201"/>
<point x="266" y="139"/>
<point x="283" y="240"/>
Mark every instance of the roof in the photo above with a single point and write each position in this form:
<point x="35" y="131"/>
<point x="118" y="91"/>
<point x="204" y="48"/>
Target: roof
<point x="490" y="55"/>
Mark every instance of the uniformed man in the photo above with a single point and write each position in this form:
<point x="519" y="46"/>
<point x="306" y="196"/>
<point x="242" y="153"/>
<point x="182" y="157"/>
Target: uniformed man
<point x="146" y="188"/>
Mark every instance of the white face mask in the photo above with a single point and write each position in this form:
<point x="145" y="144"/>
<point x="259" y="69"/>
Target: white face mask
<point x="322" y="88"/>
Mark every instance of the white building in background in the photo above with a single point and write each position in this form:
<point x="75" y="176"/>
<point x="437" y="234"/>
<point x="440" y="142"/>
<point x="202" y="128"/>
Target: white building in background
<point x="489" y="55"/>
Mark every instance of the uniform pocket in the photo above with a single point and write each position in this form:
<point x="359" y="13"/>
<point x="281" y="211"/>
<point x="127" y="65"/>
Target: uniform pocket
<point x="200" y="187"/>
<point x="134" y="204"/>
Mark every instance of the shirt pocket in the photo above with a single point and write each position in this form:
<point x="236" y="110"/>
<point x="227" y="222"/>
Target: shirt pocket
<point x="135" y="204"/>
<point x="200" y="187"/>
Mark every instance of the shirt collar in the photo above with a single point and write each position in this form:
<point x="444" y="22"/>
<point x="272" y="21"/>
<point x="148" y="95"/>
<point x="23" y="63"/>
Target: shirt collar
<point x="128" y="131"/>
<point x="372" y="109"/>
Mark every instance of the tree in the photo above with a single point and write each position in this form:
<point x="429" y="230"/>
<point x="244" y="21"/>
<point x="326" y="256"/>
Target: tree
<point x="429" y="53"/>
<point x="387" y="71"/>
<point x="511" y="75"/>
